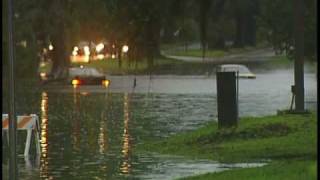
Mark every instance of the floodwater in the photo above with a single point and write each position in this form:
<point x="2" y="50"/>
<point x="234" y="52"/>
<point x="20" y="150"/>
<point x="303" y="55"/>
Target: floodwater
<point x="91" y="132"/>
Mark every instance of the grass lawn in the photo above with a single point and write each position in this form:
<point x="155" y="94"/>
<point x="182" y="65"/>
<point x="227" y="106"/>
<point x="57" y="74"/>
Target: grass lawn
<point x="198" y="53"/>
<point x="283" y="62"/>
<point x="281" y="138"/>
<point x="279" y="61"/>
<point x="161" y="66"/>
<point x="211" y="53"/>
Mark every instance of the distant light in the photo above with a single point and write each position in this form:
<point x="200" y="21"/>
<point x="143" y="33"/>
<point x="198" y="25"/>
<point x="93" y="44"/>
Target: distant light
<point x="74" y="53"/>
<point x="100" y="56"/>
<point x="106" y="83"/>
<point x="75" y="50"/>
<point x="86" y="50"/>
<point x="87" y="53"/>
<point x="113" y="56"/>
<point x="43" y="74"/>
<point x="84" y="93"/>
<point x="125" y="48"/>
<point x="99" y="47"/>
<point x="86" y="58"/>
<point x="81" y="66"/>
<point x="42" y="64"/>
<point x="50" y="47"/>
<point x="75" y="82"/>
<point x="23" y="43"/>
<point x="113" y="46"/>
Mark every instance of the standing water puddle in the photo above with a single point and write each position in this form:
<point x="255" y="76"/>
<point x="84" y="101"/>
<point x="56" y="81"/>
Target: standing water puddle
<point x="173" y="167"/>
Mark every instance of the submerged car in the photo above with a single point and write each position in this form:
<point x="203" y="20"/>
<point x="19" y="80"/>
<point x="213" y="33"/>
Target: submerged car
<point x="243" y="71"/>
<point x="87" y="76"/>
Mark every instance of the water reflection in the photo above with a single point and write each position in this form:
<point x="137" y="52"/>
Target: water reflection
<point x="103" y="136"/>
<point x="75" y="123"/>
<point x="126" y="165"/>
<point x="102" y="139"/>
<point x="44" y="136"/>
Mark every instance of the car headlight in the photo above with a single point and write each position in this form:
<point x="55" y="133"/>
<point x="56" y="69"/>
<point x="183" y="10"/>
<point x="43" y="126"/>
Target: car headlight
<point x="105" y="83"/>
<point x="75" y="82"/>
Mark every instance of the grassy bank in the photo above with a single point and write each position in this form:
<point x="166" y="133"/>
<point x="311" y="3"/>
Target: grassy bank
<point x="161" y="66"/>
<point x="212" y="53"/>
<point x="111" y="66"/>
<point x="198" y="53"/>
<point x="281" y="138"/>
<point x="283" y="62"/>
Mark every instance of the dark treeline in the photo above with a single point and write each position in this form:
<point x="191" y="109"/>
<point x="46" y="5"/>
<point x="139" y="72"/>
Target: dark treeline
<point x="145" y="24"/>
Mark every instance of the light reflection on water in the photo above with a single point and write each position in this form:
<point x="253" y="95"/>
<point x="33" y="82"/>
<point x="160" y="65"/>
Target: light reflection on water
<point x="126" y="166"/>
<point x="75" y="121"/>
<point x="44" y="162"/>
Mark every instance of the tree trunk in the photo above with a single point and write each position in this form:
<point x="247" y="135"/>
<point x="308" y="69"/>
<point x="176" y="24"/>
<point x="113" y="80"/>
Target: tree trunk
<point x="204" y="8"/>
<point x="59" y="54"/>
<point x="240" y="28"/>
<point x="250" y="33"/>
<point x="118" y="50"/>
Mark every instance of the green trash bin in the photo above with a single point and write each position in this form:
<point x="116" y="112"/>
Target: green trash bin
<point x="227" y="97"/>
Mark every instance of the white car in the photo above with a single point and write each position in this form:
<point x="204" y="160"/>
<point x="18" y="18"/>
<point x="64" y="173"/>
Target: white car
<point x="244" y="72"/>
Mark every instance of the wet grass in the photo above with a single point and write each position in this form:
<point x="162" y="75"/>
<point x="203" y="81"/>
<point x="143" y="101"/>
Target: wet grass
<point x="290" y="169"/>
<point x="213" y="53"/>
<point x="290" y="141"/>
<point x="283" y="62"/>
<point x="198" y="53"/>
<point x="161" y="66"/>
<point x="279" y="61"/>
<point x="271" y="137"/>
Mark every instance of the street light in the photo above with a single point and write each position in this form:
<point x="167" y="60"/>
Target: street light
<point x="50" y="47"/>
<point x="99" y="47"/>
<point x="74" y="53"/>
<point x="86" y="50"/>
<point x="125" y="48"/>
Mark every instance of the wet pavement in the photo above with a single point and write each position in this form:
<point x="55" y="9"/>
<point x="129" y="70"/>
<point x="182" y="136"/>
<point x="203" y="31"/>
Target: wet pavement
<point x="91" y="132"/>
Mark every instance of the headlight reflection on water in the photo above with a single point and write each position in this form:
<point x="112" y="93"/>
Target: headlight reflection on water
<point x="44" y="136"/>
<point x="126" y="165"/>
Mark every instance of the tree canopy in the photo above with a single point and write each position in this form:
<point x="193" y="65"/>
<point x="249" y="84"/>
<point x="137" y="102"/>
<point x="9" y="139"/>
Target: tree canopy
<point x="144" y="24"/>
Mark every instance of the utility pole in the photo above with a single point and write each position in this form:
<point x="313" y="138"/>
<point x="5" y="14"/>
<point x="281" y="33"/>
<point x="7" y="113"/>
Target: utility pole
<point x="299" y="55"/>
<point x="13" y="170"/>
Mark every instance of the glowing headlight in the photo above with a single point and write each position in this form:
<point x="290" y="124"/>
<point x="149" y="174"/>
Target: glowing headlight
<point x="125" y="48"/>
<point x="106" y="83"/>
<point x="75" y="82"/>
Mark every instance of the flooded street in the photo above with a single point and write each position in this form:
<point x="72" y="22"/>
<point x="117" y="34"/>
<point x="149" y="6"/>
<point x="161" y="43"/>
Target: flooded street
<point x="91" y="132"/>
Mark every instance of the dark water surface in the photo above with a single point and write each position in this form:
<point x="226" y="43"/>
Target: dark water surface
<point x="90" y="133"/>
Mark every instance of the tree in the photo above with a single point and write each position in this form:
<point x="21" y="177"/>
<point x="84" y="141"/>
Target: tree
<point x="203" y="17"/>
<point x="245" y="12"/>
<point x="280" y="30"/>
